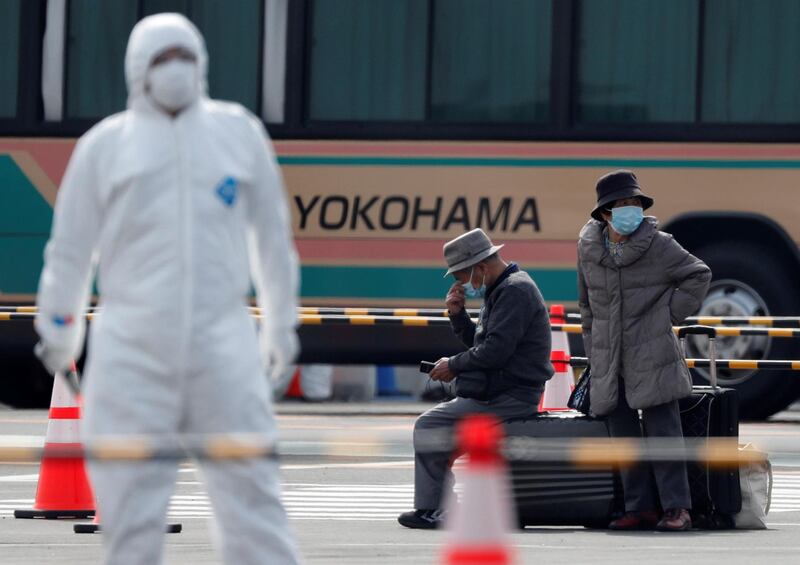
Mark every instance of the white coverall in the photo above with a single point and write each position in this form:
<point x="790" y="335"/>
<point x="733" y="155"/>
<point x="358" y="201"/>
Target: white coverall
<point x="176" y="214"/>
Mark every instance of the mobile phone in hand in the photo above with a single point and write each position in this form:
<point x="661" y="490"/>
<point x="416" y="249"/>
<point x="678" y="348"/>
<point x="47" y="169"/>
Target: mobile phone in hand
<point x="426" y="366"/>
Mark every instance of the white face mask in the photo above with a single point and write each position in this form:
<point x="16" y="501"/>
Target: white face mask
<point x="173" y="85"/>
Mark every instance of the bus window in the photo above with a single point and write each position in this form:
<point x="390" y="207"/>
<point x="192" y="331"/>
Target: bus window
<point x="368" y="60"/>
<point x="232" y="31"/>
<point x="751" y="62"/>
<point x="9" y="57"/>
<point x="97" y="37"/>
<point x="491" y="61"/>
<point x="637" y="61"/>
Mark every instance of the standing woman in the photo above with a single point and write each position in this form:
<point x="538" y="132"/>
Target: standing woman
<point x="634" y="283"/>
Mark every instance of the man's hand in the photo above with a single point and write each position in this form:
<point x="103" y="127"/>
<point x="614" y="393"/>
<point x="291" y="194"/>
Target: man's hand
<point x="455" y="299"/>
<point x="441" y="371"/>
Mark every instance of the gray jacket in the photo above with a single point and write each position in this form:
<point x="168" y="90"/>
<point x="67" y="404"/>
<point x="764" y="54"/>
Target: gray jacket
<point x="627" y="313"/>
<point x="511" y="341"/>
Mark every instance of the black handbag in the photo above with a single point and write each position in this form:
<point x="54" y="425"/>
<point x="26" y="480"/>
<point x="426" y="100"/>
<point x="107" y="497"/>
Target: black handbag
<point x="579" y="398"/>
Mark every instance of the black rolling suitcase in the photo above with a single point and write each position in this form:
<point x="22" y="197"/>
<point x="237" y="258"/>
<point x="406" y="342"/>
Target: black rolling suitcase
<point x="711" y="412"/>
<point x="560" y="494"/>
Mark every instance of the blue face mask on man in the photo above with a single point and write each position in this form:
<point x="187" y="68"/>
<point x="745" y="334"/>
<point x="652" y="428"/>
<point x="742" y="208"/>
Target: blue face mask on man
<point x="626" y="219"/>
<point x="470" y="290"/>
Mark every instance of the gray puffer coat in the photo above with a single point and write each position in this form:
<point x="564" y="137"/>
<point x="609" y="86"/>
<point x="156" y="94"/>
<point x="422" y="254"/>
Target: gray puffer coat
<point x="627" y="313"/>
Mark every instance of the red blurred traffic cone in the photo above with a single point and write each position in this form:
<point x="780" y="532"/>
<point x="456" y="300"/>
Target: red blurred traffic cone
<point x="478" y="526"/>
<point x="63" y="490"/>
<point x="557" y="389"/>
<point x="294" y="390"/>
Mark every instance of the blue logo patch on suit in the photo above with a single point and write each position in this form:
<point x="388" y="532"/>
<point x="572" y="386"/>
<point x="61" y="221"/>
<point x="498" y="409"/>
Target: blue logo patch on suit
<point x="227" y="191"/>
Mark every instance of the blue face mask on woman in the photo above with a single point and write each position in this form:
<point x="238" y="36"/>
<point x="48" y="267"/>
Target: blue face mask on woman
<point x="626" y="219"/>
<point x="470" y="290"/>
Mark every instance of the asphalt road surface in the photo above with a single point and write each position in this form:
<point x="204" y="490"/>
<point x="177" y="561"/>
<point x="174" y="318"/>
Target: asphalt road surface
<point x="347" y="471"/>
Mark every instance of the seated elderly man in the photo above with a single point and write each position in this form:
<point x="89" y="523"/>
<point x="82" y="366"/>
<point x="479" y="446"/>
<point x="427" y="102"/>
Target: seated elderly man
<point x="502" y="373"/>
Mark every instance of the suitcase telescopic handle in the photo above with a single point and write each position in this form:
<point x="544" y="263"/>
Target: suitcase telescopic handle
<point x="697" y="330"/>
<point x="712" y="347"/>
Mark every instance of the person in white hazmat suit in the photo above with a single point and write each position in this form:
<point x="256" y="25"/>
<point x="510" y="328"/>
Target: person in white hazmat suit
<point x="177" y="201"/>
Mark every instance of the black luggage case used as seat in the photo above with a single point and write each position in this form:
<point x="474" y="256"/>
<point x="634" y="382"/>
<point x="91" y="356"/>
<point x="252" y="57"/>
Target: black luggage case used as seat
<point x="711" y="412"/>
<point x="560" y="494"/>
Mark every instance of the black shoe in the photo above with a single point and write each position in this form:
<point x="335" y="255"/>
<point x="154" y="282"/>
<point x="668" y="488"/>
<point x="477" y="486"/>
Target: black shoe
<point x="422" y="519"/>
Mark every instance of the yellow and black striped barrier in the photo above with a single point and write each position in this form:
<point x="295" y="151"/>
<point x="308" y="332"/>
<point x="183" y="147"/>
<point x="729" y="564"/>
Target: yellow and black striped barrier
<point x="732" y="364"/>
<point x="20" y="309"/>
<point x="144" y="448"/>
<point x="372" y="320"/>
<point x="402" y="312"/>
<point x="354" y="319"/>
<point x="363" y="320"/>
<point x="721" y="332"/>
<point x="595" y="451"/>
<point x="764" y="321"/>
<point x="305" y="319"/>
<point x="769" y="321"/>
<point x="30" y="316"/>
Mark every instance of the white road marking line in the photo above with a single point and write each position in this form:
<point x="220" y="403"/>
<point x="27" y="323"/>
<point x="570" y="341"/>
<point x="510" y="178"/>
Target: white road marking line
<point x="31" y="478"/>
<point x="379" y="465"/>
<point x="364" y="501"/>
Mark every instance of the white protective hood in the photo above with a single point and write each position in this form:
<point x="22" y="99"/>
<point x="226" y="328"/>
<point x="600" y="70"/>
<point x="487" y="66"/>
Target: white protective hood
<point x="153" y="35"/>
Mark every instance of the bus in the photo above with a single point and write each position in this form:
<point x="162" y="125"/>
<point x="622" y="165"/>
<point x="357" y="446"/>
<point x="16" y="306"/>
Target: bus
<point x="400" y="124"/>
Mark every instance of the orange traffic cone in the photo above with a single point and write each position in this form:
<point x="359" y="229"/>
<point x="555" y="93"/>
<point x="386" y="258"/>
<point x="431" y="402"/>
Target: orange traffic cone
<point x="63" y="490"/>
<point x="560" y="340"/>
<point x="557" y="389"/>
<point x="478" y="527"/>
<point x="294" y="390"/>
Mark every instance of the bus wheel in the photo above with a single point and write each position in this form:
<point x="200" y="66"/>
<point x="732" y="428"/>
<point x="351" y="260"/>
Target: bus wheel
<point x="748" y="280"/>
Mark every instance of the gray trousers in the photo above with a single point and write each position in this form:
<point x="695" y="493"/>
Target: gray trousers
<point x="432" y="474"/>
<point x="647" y="484"/>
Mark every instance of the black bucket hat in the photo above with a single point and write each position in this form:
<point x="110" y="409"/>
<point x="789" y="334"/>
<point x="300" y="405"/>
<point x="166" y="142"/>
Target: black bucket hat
<point x="617" y="185"/>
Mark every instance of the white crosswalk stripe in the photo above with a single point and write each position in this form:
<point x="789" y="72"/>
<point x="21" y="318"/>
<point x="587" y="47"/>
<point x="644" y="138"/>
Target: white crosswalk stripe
<point x="308" y="501"/>
<point x="785" y="493"/>
<point x="303" y="501"/>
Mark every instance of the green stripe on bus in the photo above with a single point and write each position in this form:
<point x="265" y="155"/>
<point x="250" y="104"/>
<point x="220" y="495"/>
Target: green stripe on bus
<point x="25" y="219"/>
<point x="414" y="282"/>
<point x="531" y="163"/>
<point x="22" y="208"/>
<point x="22" y="258"/>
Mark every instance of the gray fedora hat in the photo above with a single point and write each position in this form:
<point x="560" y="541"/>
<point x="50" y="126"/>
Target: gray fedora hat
<point x="468" y="249"/>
